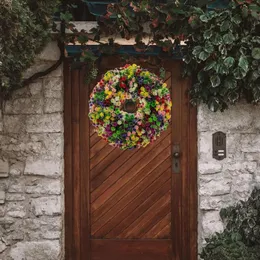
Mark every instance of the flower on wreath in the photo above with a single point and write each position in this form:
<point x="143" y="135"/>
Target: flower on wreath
<point x="149" y="102"/>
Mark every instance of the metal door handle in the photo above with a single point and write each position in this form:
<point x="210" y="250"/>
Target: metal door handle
<point x="176" y="158"/>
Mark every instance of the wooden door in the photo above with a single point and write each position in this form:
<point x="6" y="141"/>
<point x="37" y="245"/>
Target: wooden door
<point x="131" y="204"/>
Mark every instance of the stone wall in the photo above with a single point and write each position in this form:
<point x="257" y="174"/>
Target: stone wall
<point x="223" y="183"/>
<point x="31" y="167"/>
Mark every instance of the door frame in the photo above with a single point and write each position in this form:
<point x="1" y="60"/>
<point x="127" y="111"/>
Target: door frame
<point x="76" y="143"/>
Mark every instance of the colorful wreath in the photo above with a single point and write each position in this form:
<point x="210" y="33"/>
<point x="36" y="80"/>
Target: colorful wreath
<point x="130" y="107"/>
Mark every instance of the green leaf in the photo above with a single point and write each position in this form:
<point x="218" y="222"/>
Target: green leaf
<point x="239" y="73"/>
<point x="237" y="19"/>
<point x="196" y="51"/>
<point x="204" y="18"/>
<point x="209" y="48"/>
<point x="204" y="55"/>
<point x="230" y="83"/>
<point x="228" y="38"/>
<point x="243" y="63"/>
<point x="225" y="26"/>
<point x="207" y="34"/>
<point x="213" y="105"/>
<point x="256" y="53"/>
<point x="210" y="65"/>
<point x="216" y="39"/>
<point x="229" y="62"/>
<point x="215" y="81"/>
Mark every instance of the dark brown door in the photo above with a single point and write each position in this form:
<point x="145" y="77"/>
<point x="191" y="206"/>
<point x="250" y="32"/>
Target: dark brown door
<point x="131" y="205"/>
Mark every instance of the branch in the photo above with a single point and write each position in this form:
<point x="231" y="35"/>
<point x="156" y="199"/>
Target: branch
<point x="28" y="81"/>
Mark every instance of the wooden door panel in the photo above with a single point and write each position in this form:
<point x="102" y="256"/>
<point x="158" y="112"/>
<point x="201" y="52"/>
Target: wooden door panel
<point x="130" y="250"/>
<point x="129" y="204"/>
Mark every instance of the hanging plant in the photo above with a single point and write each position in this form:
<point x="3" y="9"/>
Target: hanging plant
<point x="130" y="107"/>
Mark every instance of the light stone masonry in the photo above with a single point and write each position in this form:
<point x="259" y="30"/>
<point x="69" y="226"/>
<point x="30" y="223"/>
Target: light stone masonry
<point x="224" y="183"/>
<point x="31" y="167"/>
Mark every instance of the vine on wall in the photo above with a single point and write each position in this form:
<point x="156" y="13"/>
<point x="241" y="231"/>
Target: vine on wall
<point x="222" y="52"/>
<point x="240" y="240"/>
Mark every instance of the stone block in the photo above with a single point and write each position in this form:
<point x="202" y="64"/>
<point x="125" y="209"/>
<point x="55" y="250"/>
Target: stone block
<point x="211" y="223"/>
<point x="4" y="168"/>
<point x="238" y="117"/>
<point x="53" y="87"/>
<point x="36" y="88"/>
<point x="2" y="246"/>
<point x="15" y="197"/>
<point x="214" y="185"/>
<point x="209" y="168"/>
<point x="252" y="156"/>
<point x="40" y="250"/>
<point x="215" y="202"/>
<point x="17" y="168"/>
<point x="14" y="123"/>
<point x="49" y="168"/>
<point x="15" y="210"/>
<point x="43" y="186"/>
<point x="46" y="206"/>
<point x="48" y="123"/>
<point x="250" y="143"/>
<point x="24" y="106"/>
<point x="16" y="186"/>
<point x="51" y="145"/>
<point x="243" y="183"/>
<point x="38" y="66"/>
<point x="2" y="197"/>
<point x="53" y="105"/>
<point x="50" y="53"/>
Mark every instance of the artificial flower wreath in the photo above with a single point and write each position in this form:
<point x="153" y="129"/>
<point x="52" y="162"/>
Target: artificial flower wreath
<point x="130" y="107"/>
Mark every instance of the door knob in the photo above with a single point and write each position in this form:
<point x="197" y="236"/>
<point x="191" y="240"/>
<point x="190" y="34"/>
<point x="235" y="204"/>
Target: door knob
<point x="176" y="155"/>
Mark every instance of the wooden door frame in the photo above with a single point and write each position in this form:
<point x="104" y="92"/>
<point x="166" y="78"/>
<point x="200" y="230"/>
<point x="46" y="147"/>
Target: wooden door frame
<point x="76" y="148"/>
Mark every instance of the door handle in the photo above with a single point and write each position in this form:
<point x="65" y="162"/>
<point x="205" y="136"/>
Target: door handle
<point x="176" y="154"/>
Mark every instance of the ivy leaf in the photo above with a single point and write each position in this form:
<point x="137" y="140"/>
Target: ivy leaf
<point x="237" y="19"/>
<point x="225" y="26"/>
<point x="207" y="34"/>
<point x="209" y="48"/>
<point x="229" y="62"/>
<point x="216" y="39"/>
<point x="210" y="65"/>
<point x="243" y="63"/>
<point x="204" y="18"/>
<point x="228" y="38"/>
<point x="239" y="73"/>
<point x="204" y="55"/>
<point x="196" y="51"/>
<point x="213" y="104"/>
<point x="201" y="76"/>
<point x="256" y="53"/>
<point x="230" y="83"/>
<point x="215" y="81"/>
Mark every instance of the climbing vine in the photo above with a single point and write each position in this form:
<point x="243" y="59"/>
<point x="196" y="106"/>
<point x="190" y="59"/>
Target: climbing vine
<point x="221" y="51"/>
<point x="25" y="30"/>
<point x="240" y="239"/>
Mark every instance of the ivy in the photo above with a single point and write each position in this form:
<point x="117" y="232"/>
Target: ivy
<point x="240" y="239"/>
<point x="226" y="47"/>
<point x="25" y="30"/>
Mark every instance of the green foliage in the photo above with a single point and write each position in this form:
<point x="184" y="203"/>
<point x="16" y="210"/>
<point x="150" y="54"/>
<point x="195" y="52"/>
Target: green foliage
<point x="24" y="31"/>
<point x="224" y="56"/>
<point x="241" y="238"/>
